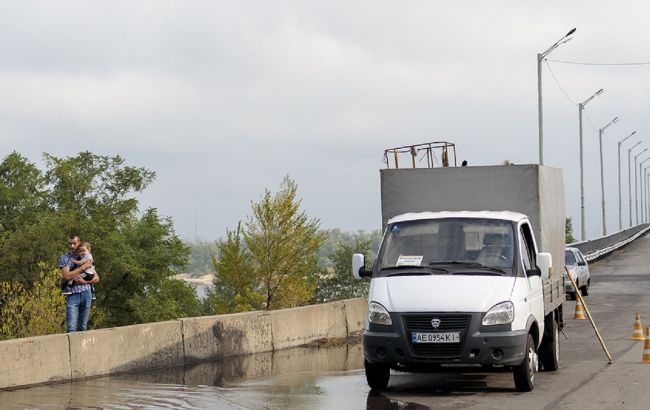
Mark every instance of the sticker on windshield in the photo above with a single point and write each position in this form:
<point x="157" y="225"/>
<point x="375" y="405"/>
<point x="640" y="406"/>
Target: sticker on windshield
<point x="409" y="260"/>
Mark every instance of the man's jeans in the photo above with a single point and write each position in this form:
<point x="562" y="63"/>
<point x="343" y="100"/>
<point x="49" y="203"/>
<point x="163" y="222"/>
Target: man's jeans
<point x="77" y="310"/>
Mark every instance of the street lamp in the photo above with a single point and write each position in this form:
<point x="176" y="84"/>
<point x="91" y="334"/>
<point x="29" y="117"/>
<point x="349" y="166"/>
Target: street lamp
<point x="642" y="183"/>
<point x="581" y="107"/>
<point x="636" y="186"/>
<point x="629" y="179"/>
<point x="540" y="58"/>
<point x="602" y="175"/>
<point x="620" y="202"/>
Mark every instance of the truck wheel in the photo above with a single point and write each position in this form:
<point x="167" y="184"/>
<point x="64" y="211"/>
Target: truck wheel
<point x="524" y="374"/>
<point x="584" y="291"/>
<point x="377" y="374"/>
<point x="549" y="351"/>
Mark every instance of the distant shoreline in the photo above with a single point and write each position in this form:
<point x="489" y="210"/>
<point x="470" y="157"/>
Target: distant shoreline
<point x="206" y="279"/>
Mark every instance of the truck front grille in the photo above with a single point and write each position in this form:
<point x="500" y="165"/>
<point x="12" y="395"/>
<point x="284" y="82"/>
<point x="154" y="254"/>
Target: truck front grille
<point x="448" y="323"/>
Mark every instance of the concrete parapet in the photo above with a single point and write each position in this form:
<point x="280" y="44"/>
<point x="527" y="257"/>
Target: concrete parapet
<point x="215" y="337"/>
<point x="34" y="360"/>
<point x="297" y="326"/>
<point x="92" y="353"/>
<point x="121" y="349"/>
<point x="355" y="314"/>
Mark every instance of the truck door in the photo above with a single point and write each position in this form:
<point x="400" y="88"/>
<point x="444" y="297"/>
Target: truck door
<point x="528" y="260"/>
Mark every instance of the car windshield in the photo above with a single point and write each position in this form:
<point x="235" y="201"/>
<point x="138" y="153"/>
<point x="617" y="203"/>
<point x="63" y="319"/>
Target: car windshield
<point x="458" y="244"/>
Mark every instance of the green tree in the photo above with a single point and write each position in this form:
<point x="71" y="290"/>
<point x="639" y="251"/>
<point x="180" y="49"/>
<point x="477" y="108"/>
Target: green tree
<point x="201" y="257"/>
<point x="32" y="311"/>
<point x="136" y="252"/>
<point x="270" y="262"/>
<point x="336" y="282"/>
<point x="568" y="231"/>
<point x="171" y="300"/>
<point x="236" y="287"/>
<point x="25" y="235"/>
<point x="335" y="237"/>
<point x="283" y="242"/>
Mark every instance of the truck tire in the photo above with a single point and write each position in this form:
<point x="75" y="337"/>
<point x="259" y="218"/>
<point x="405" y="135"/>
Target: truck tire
<point x="524" y="374"/>
<point x="377" y="375"/>
<point x="549" y="351"/>
<point x="584" y="290"/>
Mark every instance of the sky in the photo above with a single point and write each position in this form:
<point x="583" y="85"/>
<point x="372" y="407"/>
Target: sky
<point x="224" y="99"/>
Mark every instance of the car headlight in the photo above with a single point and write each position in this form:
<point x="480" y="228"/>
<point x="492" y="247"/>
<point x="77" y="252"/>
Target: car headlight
<point x="378" y="314"/>
<point x="500" y="314"/>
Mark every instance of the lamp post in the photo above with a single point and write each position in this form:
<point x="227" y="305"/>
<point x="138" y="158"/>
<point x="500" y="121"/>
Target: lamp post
<point x="644" y="212"/>
<point x="540" y="58"/>
<point x="647" y="199"/>
<point x="629" y="180"/>
<point x="620" y="201"/>
<point x="642" y="184"/>
<point x="581" y="107"/>
<point x="602" y="175"/>
<point x="636" y="186"/>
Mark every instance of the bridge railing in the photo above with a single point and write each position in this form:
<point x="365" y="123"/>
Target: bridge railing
<point x="597" y="248"/>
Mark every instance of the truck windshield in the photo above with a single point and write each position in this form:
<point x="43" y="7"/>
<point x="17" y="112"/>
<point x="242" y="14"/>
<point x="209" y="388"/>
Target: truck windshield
<point x="459" y="245"/>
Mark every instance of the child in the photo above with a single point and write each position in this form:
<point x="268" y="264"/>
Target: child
<point x="88" y="274"/>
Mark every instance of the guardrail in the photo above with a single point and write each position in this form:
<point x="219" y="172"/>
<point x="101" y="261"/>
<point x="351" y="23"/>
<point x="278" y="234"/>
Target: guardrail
<point x="597" y="248"/>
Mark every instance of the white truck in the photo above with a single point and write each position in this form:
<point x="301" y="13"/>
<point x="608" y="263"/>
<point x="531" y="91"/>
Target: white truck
<point x="469" y="272"/>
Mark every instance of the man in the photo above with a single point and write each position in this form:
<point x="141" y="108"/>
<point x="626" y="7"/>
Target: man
<point x="77" y="305"/>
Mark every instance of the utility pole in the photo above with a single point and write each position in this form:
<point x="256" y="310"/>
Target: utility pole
<point x="540" y="122"/>
<point x="583" y="224"/>
<point x="620" y="201"/>
<point x="602" y="175"/>
<point x="636" y="186"/>
<point x="629" y="180"/>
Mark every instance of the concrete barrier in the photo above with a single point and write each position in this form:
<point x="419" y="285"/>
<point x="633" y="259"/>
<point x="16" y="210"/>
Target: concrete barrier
<point x="34" y="360"/>
<point x="128" y="348"/>
<point x="598" y="248"/>
<point x="298" y="326"/>
<point x="215" y="337"/>
<point x="155" y="345"/>
<point x="355" y="314"/>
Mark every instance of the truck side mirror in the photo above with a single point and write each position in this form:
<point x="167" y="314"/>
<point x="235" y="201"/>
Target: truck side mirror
<point x="545" y="263"/>
<point x="582" y="263"/>
<point x="358" y="267"/>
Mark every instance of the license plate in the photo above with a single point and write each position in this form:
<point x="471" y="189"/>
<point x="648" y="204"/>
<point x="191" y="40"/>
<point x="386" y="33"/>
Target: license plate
<point x="449" y="337"/>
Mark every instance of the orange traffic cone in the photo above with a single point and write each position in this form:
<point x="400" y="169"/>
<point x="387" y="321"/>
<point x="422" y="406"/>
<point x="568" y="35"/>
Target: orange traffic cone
<point x="646" y="347"/>
<point x="580" y="313"/>
<point x="637" y="333"/>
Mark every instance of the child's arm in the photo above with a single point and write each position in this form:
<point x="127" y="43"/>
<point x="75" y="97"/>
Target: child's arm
<point x="77" y="262"/>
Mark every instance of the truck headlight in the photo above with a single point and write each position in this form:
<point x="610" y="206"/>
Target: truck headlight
<point x="378" y="314"/>
<point x="500" y="314"/>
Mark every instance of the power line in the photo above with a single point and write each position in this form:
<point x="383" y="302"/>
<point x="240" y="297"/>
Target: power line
<point x="593" y="127"/>
<point x="596" y="130"/>
<point x="605" y="64"/>
<point x="558" y="84"/>
<point x="573" y="103"/>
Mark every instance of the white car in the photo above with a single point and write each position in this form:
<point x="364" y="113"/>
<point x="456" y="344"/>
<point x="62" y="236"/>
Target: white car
<point x="578" y="268"/>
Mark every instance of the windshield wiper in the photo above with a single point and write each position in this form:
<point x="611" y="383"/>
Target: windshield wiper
<point x="413" y="270"/>
<point x="468" y="264"/>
